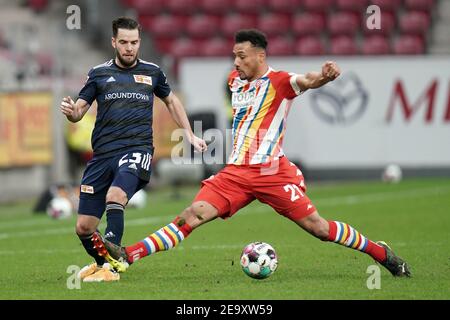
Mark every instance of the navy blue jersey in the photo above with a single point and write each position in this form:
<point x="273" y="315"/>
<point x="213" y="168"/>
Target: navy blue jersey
<point x="125" y="105"/>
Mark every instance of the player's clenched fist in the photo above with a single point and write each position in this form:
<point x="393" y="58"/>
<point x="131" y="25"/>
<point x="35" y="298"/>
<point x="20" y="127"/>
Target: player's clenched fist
<point x="330" y="70"/>
<point x="199" y="144"/>
<point x="67" y="106"/>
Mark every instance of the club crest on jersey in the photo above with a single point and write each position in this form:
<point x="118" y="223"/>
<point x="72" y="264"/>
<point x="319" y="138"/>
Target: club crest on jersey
<point x="259" y="83"/>
<point x="87" y="189"/>
<point x="142" y="79"/>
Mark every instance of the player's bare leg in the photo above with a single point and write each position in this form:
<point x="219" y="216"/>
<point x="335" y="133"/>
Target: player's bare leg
<point x="346" y="235"/>
<point x="198" y="213"/>
<point x="85" y="227"/>
<point x="167" y="237"/>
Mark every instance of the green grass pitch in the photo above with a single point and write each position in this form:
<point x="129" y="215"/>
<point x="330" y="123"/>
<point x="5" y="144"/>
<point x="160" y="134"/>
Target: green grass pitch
<point x="412" y="216"/>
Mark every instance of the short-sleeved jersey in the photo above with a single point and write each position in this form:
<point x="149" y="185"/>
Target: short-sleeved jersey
<point x="124" y="106"/>
<point x="260" y="108"/>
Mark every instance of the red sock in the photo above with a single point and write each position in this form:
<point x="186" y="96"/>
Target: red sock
<point x="185" y="228"/>
<point x="376" y="251"/>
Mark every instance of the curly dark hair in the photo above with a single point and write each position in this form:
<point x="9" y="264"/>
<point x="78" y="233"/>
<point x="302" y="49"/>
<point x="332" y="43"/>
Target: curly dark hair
<point x="256" y="37"/>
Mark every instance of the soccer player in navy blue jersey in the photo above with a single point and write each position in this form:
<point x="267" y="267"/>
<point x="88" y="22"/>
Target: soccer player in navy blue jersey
<point x="122" y="138"/>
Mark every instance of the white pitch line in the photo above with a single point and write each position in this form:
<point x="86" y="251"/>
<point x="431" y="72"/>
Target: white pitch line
<point x="38" y="251"/>
<point x="58" y="251"/>
<point x="381" y="196"/>
<point x="346" y="200"/>
<point x="23" y="223"/>
<point x="183" y="247"/>
<point x="370" y="198"/>
<point x="68" y="230"/>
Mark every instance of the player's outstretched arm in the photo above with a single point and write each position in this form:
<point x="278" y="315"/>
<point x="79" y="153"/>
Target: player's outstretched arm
<point x="314" y="79"/>
<point x="74" y="111"/>
<point x="178" y="114"/>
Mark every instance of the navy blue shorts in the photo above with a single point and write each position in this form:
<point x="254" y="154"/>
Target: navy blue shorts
<point x="130" y="172"/>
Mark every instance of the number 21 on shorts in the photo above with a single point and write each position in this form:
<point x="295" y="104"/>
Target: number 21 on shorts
<point x="295" y="191"/>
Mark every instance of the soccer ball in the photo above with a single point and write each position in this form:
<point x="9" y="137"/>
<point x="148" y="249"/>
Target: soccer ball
<point x="138" y="200"/>
<point x="259" y="260"/>
<point x="392" y="173"/>
<point x="59" y="208"/>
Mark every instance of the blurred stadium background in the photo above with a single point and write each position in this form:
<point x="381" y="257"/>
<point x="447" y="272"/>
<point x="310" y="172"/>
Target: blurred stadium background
<point x="390" y="106"/>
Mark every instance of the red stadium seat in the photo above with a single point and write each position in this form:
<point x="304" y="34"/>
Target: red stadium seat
<point x="387" y="5"/>
<point x="415" y="23"/>
<point x="408" y="45"/>
<point x="419" y="5"/>
<point x="318" y="5"/>
<point x="216" y="47"/>
<point x="163" y="25"/>
<point x="146" y="21"/>
<point x="163" y="44"/>
<point x="127" y="3"/>
<point x="38" y="5"/>
<point x="309" y="46"/>
<point x="250" y="7"/>
<point x="343" y="23"/>
<point x="387" y="24"/>
<point x="352" y="5"/>
<point x="234" y="22"/>
<point x="184" y="47"/>
<point x="274" y="24"/>
<point x="284" y="6"/>
<point x="203" y="26"/>
<point x="146" y="6"/>
<point x="280" y="46"/>
<point x="376" y="45"/>
<point x="308" y="24"/>
<point x="215" y="6"/>
<point x="182" y="6"/>
<point x="343" y="45"/>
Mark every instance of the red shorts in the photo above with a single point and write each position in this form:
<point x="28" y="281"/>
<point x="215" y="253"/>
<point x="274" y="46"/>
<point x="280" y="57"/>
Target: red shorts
<point x="280" y="184"/>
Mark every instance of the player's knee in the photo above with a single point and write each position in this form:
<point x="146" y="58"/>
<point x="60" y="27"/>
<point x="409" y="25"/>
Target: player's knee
<point x="117" y="195"/>
<point x="84" y="229"/>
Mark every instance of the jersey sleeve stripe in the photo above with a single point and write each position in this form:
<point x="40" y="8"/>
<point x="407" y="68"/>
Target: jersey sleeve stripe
<point x="149" y="63"/>
<point x="104" y="64"/>
<point x="294" y="85"/>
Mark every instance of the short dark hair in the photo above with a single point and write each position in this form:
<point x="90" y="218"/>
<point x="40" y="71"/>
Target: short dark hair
<point x="256" y="37"/>
<point x="125" y="23"/>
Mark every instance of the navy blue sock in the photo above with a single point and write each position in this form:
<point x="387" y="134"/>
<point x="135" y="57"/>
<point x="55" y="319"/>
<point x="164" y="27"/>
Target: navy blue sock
<point x="88" y="245"/>
<point x="115" y="223"/>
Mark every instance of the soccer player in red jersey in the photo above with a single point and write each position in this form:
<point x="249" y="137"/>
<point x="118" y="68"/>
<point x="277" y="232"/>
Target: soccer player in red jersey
<point x="257" y="167"/>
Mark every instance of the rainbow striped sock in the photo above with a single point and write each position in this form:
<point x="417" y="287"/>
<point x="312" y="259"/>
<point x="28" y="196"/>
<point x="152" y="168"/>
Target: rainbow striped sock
<point x="346" y="235"/>
<point x="162" y="240"/>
